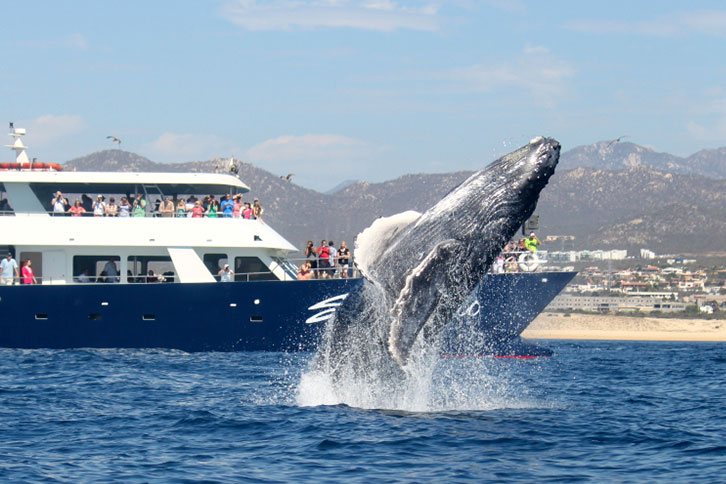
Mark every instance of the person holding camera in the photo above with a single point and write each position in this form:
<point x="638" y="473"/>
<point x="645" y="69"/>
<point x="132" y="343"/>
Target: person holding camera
<point x="99" y="208"/>
<point x="59" y="204"/>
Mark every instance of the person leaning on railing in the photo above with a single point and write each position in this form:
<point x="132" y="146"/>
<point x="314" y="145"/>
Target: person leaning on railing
<point x="111" y="208"/>
<point x="304" y="273"/>
<point x="167" y="208"/>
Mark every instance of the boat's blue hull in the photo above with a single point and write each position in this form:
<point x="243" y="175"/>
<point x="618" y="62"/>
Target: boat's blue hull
<point x="245" y="316"/>
<point x="189" y="317"/>
<point x="496" y="313"/>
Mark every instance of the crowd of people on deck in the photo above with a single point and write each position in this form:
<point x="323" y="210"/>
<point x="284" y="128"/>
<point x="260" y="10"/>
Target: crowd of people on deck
<point x="229" y="206"/>
<point x="325" y="261"/>
<point x="509" y="259"/>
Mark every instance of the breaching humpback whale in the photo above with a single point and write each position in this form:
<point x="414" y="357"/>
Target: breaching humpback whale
<point x="419" y="268"/>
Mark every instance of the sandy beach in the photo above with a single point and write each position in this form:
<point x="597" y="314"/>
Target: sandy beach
<point x="608" y="327"/>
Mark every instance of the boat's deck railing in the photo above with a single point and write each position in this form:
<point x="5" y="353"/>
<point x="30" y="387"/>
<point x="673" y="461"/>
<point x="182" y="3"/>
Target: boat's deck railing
<point x="90" y="214"/>
<point x="520" y="261"/>
<point x="289" y="266"/>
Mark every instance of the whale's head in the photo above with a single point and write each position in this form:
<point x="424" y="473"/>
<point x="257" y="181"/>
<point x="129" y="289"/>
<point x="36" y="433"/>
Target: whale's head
<point x="525" y="172"/>
<point x="508" y="189"/>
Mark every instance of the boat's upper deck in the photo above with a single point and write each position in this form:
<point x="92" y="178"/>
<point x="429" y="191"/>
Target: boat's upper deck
<point x="45" y="183"/>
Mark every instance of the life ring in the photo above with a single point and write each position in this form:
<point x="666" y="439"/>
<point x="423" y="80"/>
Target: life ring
<point x="528" y="262"/>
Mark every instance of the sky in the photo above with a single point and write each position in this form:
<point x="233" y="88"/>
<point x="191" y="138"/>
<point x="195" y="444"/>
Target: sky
<point x="332" y="90"/>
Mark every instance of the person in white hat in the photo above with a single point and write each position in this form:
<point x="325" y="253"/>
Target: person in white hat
<point x="532" y="243"/>
<point x="99" y="208"/>
<point x="226" y="274"/>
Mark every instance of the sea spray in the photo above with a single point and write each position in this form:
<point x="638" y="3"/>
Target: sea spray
<point x="428" y="383"/>
<point x="380" y="349"/>
<point x="353" y="367"/>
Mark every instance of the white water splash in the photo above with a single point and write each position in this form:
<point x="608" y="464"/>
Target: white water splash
<point x="428" y="382"/>
<point x="358" y="362"/>
<point x="432" y="384"/>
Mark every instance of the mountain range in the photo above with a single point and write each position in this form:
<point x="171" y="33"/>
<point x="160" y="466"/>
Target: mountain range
<point x="608" y="195"/>
<point x="610" y="155"/>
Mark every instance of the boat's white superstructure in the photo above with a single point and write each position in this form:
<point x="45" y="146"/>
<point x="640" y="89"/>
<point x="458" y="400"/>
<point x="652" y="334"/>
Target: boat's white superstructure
<point x="62" y="247"/>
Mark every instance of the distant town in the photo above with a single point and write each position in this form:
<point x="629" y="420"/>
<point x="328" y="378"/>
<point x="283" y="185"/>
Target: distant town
<point x="612" y="281"/>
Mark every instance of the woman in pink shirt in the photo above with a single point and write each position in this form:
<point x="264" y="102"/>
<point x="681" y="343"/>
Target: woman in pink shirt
<point x="27" y="274"/>
<point x="247" y="212"/>
<point x="198" y="210"/>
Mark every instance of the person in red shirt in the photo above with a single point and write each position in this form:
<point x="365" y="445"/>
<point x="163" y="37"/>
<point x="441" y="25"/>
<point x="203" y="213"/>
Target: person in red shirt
<point x="198" y="210"/>
<point x="323" y="260"/>
<point x="77" y="209"/>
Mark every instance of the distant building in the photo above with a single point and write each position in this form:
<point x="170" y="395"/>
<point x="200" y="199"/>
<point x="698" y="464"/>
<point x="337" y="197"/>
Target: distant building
<point x="647" y="254"/>
<point x="566" y="302"/>
<point x="587" y="255"/>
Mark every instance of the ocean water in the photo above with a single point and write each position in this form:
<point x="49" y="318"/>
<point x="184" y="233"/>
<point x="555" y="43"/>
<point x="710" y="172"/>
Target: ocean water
<point x="594" y="412"/>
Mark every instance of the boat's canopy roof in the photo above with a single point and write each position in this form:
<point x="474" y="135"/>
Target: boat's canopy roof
<point x="92" y="182"/>
<point x="206" y="233"/>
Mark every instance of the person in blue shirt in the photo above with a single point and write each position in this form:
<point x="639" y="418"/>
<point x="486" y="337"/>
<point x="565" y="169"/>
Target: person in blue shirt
<point x="227" y="206"/>
<point x="9" y="269"/>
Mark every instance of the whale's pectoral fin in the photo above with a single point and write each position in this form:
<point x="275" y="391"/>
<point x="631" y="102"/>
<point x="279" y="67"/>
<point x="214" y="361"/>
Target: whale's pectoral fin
<point x="423" y="294"/>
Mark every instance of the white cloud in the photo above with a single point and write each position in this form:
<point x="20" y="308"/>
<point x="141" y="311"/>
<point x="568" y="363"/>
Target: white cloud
<point x="309" y="147"/>
<point x="536" y="69"/>
<point x="50" y="128"/>
<point x="706" y="22"/>
<point x="319" y="161"/>
<point x="713" y="132"/>
<point x="380" y="15"/>
<point x="180" y="147"/>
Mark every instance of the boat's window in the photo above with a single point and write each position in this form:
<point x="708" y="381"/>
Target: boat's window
<point x="96" y="268"/>
<point x="251" y="269"/>
<point x="138" y="267"/>
<point x="36" y="263"/>
<point x="215" y="263"/>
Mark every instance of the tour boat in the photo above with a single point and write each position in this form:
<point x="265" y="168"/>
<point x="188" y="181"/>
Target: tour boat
<point x="154" y="282"/>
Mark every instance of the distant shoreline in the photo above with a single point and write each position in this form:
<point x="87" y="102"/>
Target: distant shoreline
<point x="608" y="327"/>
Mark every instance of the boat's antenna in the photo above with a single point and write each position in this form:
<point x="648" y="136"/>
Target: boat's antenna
<point x="20" y="155"/>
